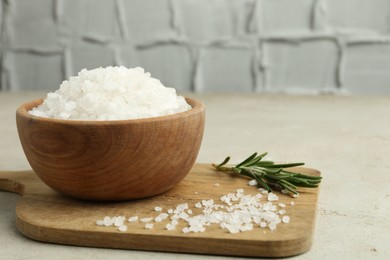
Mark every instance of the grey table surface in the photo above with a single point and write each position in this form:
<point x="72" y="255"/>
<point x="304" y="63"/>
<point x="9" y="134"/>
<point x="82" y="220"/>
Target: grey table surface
<point x="347" y="138"/>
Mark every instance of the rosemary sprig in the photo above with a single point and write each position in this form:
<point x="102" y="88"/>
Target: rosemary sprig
<point x="269" y="174"/>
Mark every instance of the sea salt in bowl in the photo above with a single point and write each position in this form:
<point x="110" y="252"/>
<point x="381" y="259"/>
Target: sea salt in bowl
<point x="112" y="160"/>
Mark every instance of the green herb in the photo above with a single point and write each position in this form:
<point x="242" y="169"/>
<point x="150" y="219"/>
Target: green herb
<point x="269" y="174"/>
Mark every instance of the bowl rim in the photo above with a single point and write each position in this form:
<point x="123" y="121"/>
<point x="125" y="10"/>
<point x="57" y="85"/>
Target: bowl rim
<point x="22" y="111"/>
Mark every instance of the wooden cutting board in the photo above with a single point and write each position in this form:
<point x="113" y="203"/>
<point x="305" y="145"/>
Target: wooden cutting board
<point x="44" y="215"/>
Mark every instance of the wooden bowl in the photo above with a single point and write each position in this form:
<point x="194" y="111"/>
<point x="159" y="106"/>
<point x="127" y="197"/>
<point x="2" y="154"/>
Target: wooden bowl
<point x="112" y="160"/>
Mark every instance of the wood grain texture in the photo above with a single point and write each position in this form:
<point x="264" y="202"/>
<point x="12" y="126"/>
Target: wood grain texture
<point x="112" y="160"/>
<point x="45" y="215"/>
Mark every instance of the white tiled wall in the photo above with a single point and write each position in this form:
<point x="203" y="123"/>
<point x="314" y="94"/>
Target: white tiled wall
<point x="308" y="46"/>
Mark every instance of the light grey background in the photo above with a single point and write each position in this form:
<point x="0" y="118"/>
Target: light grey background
<point x="304" y="46"/>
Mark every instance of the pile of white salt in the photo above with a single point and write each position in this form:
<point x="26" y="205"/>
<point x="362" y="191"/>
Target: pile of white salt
<point x="112" y="93"/>
<point x="235" y="212"/>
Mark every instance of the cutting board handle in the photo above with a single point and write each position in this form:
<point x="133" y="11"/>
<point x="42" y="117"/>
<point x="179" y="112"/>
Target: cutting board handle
<point x="15" y="181"/>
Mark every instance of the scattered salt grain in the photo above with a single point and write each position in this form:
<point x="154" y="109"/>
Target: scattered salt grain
<point x="272" y="226"/>
<point x="183" y="215"/>
<point x="217" y="184"/>
<point x="133" y="219"/>
<point x="292" y="203"/>
<point x="252" y="183"/>
<point x="233" y="228"/>
<point x="237" y="212"/>
<point x="146" y="219"/>
<point x="286" y="219"/>
<point x="149" y="226"/>
<point x="181" y="207"/>
<point x="207" y="202"/>
<point x="111" y="93"/>
<point x="107" y="221"/>
<point x="114" y="221"/>
<point x="198" y="205"/>
<point x="248" y="226"/>
<point x="123" y="228"/>
<point x="272" y="197"/>
<point x="161" y="217"/>
<point x="170" y="226"/>
<point x="262" y="190"/>
<point x="118" y="221"/>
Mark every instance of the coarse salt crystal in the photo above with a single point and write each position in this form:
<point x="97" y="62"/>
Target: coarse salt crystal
<point x="292" y="203"/>
<point x="181" y="207"/>
<point x="107" y="221"/>
<point x="133" y="219"/>
<point x="286" y="219"/>
<point x="123" y="228"/>
<point x="170" y="226"/>
<point x="272" y="226"/>
<point x="161" y="217"/>
<point x="183" y="215"/>
<point x="249" y="226"/>
<point x="272" y="197"/>
<point x="262" y="190"/>
<point x="233" y="228"/>
<point x="235" y="198"/>
<point x="223" y="198"/>
<point x="174" y="217"/>
<point x="252" y="183"/>
<point x="256" y="219"/>
<point x="158" y="209"/>
<point x="149" y="226"/>
<point x="146" y="219"/>
<point x="207" y="203"/>
<point x="118" y="221"/>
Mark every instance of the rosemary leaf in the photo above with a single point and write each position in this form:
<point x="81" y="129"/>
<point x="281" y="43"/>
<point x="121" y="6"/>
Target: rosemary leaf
<point x="267" y="173"/>
<point x="246" y="160"/>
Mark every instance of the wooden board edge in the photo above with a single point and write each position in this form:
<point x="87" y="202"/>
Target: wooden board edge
<point x="148" y="242"/>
